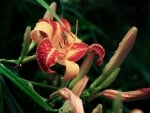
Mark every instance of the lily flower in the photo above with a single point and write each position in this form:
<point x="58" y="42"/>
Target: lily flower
<point x="57" y="44"/>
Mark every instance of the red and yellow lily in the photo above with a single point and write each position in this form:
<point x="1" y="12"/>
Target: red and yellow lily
<point x="57" y="44"/>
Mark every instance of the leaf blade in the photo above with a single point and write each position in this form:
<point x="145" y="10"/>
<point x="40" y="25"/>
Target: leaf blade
<point x="25" y="87"/>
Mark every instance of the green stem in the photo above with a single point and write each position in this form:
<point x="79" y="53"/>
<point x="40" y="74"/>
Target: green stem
<point x="102" y="81"/>
<point x="64" y="83"/>
<point x="39" y="84"/>
<point x="28" y="59"/>
<point x="117" y="104"/>
<point x="9" y="61"/>
<point x="25" y="60"/>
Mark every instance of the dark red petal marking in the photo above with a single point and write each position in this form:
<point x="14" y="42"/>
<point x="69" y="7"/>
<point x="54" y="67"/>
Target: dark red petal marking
<point x="46" y="55"/>
<point x="99" y="50"/>
<point x="76" y="51"/>
<point x="67" y="24"/>
<point x="54" y="26"/>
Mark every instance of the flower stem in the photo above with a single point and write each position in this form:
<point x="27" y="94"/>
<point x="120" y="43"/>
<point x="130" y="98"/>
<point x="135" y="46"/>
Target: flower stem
<point x="40" y="84"/>
<point x="28" y="59"/>
<point x="107" y="81"/>
<point x="9" y="61"/>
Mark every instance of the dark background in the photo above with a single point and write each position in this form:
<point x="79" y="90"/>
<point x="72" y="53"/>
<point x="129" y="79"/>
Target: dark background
<point x="101" y="21"/>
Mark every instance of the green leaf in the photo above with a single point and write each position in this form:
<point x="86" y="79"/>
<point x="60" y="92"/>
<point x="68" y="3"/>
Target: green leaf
<point x="25" y="44"/>
<point x="31" y="83"/>
<point x="12" y="104"/>
<point x="1" y="98"/>
<point x="25" y="87"/>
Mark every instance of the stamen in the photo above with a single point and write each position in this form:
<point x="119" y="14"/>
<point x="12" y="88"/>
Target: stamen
<point x="64" y="37"/>
<point x="76" y="28"/>
<point x="60" y="45"/>
<point x="72" y="35"/>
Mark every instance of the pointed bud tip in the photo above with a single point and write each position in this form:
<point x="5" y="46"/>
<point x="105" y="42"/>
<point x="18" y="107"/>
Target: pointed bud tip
<point x="53" y="4"/>
<point x="134" y="28"/>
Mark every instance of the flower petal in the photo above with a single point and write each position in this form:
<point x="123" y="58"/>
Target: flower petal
<point x="58" y="30"/>
<point x="72" y="69"/>
<point x="62" y="34"/>
<point x="75" y="101"/>
<point x="66" y="24"/>
<point x="76" y="51"/>
<point x="56" y="34"/>
<point x="53" y="30"/>
<point x="99" y="50"/>
<point x="46" y="55"/>
<point x="41" y="30"/>
<point x="71" y="38"/>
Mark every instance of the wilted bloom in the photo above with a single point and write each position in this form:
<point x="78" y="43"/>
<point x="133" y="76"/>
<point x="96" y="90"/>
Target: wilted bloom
<point x="57" y="44"/>
<point x="74" y="101"/>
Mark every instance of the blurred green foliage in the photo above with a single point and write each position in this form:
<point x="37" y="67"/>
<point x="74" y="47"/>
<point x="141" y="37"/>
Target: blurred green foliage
<point x="101" y="21"/>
